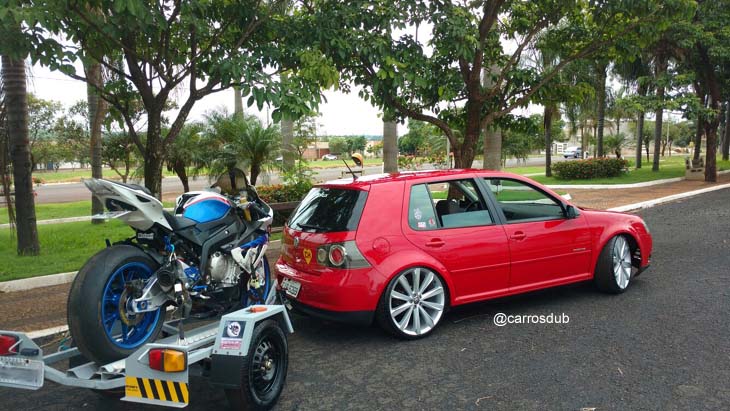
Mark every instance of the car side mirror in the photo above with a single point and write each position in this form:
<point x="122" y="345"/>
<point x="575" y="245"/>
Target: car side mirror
<point x="571" y="212"/>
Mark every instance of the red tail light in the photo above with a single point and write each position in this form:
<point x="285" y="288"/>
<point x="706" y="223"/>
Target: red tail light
<point x="167" y="360"/>
<point x="8" y="345"/>
<point x="337" y="255"/>
<point x="341" y="255"/>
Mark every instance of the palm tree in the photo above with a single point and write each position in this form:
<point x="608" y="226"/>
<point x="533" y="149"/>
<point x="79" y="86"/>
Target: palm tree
<point x="182" y="153"/>
<point x="636" y="73"/>
<point x="16" y="103"/>
<point x="239" y="142"/>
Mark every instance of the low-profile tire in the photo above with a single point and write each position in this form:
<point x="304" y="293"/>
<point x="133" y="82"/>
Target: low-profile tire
<point x="91" y="302"/>
<point x="413" y="303"/>
<point x="264" y="369"/>
<point x="614" y="270"/>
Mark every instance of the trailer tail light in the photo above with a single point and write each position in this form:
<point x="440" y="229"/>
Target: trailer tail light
<point x="9" y="344"/>
<point x="168" y="360"/>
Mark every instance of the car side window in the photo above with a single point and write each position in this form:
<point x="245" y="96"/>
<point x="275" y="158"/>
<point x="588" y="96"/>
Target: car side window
<point x="447" y="204"/>
<point x="521" y="202"/>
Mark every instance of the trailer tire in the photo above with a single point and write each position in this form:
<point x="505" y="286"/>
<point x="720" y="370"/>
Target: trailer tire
<point x="87" y="306"/>
<point x="263" y="372"/>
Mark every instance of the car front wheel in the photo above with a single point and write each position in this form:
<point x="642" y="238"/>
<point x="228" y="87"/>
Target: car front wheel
<point x="413" y="303"/>
<point x="614" y="269"/>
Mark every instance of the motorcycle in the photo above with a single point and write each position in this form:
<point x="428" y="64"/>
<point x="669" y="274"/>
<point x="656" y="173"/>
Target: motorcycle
<point x="206" y="258"/>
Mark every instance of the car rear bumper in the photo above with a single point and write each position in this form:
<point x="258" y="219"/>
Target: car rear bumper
<point x="349" y="317"/>
<point x="349" y="296"/>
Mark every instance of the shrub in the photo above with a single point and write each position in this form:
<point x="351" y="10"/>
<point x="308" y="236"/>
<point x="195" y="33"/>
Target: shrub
<point x="591" y="168"/>
<point x="283" y="193"/>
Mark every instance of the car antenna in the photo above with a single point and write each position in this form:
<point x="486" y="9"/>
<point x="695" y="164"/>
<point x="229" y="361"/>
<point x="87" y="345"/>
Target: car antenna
<point x="357" y="159"/>
<point x="354" y="177"/>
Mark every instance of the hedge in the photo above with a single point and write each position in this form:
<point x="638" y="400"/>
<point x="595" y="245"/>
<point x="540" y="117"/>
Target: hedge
<point x="591" y="168"/>
<point x="283" y="193"/>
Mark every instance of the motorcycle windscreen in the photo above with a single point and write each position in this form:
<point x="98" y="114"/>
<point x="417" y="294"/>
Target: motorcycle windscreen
<point x="206" y="210"/>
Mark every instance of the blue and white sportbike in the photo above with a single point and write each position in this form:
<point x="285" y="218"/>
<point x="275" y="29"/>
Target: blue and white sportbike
<point x="206" y="258"/>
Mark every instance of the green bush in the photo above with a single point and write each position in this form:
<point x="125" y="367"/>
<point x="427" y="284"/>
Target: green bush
<point x="591" y="168"/>
<point x="283" y="193"/>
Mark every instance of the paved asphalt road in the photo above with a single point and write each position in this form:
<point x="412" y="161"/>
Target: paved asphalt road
<point x="61" y="193"/>
<point x="662" y="345"/>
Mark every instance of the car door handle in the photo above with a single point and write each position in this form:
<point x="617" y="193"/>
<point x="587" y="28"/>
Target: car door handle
<point x="518" y="235"/>
<point x="435" y="242"/>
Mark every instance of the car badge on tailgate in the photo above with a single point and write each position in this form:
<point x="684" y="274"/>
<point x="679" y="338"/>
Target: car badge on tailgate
<point x="307" y="255"/>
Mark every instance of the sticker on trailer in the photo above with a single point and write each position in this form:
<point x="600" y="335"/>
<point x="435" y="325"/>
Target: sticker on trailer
<point x="232" y="337"/>
<point x="154" y="391"/>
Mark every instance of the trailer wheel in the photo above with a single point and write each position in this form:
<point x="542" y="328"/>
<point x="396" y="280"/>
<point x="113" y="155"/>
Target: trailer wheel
<point x="264" y="370"/>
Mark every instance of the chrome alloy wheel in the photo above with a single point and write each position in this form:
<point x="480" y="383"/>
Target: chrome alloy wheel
<point x="621" y="255"/>
<point x="416" y="302"/>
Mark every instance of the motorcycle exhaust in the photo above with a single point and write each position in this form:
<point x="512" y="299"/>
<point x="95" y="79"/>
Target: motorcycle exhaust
<point x="166" y="277"/>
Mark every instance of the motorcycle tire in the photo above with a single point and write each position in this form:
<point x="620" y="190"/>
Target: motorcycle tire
<point x="96" y="302"/>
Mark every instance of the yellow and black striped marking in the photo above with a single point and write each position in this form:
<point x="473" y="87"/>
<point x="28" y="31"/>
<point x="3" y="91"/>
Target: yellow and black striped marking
<point x="156" y="389"/>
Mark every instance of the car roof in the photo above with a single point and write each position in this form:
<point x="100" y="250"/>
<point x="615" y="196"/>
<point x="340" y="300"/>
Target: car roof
<point x="383" y="178"/>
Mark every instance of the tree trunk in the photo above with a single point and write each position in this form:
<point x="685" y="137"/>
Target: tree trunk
<point x="601" y="97"/>
<point x="492" y="149"/>
<point x="639" y="138"/>
<point x="182" y="174"/>
<point x="154" y="157"/>
<point x="661" y="70"/>
<point x="16" y="103"/>
<point x="711" y="149"/>
<point x="287" y="142"/>
<point x="547" y="125"/>
<point x="255" y="171"/>
<point x="390" y="145"/>
<point x="237" y="102"/>
<point x="726" y="133"/>
<point x="97" y="111"/>
<point x="698" y="139"/>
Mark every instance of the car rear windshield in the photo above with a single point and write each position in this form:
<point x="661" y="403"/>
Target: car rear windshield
<point x="329" y="210"/>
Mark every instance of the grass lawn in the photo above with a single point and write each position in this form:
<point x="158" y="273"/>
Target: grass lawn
<point x="64" y="247"/>
<point x="338" y="163"/>
<point x="69" y="176"/>
<point x="62" y="210"/>
<point x="669" y="167"/>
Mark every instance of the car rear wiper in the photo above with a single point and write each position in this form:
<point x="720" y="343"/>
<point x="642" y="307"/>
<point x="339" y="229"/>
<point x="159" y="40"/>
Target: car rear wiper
<point x="312" y="227"/>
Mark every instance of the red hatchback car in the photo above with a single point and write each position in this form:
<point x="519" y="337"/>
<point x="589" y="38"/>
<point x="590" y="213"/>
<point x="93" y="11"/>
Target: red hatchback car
<point x="403" y="248"/>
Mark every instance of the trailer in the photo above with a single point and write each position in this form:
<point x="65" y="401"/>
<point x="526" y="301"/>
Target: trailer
<point x="245" y="353"/>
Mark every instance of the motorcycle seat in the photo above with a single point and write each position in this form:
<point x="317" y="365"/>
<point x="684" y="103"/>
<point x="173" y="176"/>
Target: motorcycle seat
<point x="178" y="223"/>
<point x="135" y="187"/>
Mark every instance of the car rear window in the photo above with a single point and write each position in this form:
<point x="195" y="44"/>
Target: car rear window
<point x="329" y="210"/>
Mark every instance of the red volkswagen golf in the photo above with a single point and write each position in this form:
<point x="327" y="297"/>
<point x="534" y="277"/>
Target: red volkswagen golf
<point x="403" y="248"/>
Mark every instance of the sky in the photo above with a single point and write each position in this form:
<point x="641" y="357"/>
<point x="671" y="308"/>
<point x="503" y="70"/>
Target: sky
<point x="342" y="114"/>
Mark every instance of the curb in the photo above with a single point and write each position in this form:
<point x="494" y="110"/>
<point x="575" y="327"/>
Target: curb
<point x="47" y="331"/>
<point x="26" y="284"/>
<point x="36" y="282"/>
<point x="657" y="201"/>
<point x="615" y="186"/>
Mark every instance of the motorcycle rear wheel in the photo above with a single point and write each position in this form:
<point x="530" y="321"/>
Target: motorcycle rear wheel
<point x="97" y="320"/>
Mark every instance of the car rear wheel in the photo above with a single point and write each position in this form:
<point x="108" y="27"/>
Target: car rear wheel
<point x="413" y="303"/>
<point x="614" y="269"/>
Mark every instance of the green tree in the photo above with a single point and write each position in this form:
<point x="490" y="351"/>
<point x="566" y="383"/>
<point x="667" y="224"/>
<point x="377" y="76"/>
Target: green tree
<point x="190" y="49"/>
<point x="416" y="76"/>
<point x="182" y="153"/>
<point x="118" y="153"/>
<point x="15" y="99"/>
<point x="234" y="141"/>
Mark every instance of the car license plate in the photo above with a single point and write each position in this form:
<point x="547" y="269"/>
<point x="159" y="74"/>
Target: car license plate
<point x="19" y="372"/>
<point x="291" y="287"/>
